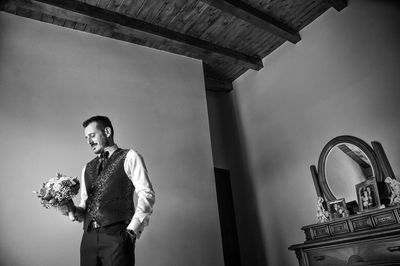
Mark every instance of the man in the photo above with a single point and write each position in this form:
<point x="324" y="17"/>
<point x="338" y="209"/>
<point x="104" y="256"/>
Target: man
<point x="111" y="223"/>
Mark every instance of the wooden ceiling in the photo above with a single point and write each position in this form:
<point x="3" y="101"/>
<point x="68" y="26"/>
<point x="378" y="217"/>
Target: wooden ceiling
<point x="229" y="36"/>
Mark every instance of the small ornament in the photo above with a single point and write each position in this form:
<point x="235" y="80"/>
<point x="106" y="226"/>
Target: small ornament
<point x="395" y="191"/>
<point x="322" y="214"/>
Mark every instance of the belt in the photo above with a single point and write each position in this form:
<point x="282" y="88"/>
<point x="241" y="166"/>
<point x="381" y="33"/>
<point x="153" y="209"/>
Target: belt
<point x="95" y="225"/>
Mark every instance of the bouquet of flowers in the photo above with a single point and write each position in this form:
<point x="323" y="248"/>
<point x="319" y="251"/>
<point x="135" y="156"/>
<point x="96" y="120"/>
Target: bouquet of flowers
<point x="58" y="191"/>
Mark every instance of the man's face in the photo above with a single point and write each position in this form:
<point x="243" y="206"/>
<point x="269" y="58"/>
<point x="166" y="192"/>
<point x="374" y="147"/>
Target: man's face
<point x="96" y="138"/>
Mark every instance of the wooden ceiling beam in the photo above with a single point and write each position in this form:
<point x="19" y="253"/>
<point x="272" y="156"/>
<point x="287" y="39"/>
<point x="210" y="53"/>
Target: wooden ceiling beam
<point x="339" y="5"/>
<point x="217" y="85"/>
<point x="214" y="82"/>
<point x="256" y="18"/>
<point x="99" y="14"/>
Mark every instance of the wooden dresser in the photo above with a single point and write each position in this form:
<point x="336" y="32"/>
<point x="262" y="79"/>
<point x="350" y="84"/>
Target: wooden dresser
<point x="370" y="238"/>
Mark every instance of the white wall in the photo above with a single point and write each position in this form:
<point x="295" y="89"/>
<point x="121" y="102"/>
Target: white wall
<point x="51" y="79"/>
<point x="341" y="78"/>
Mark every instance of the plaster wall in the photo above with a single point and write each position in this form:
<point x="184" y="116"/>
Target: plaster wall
<point x="342" y="78"/>
<point x="53" y="78"/>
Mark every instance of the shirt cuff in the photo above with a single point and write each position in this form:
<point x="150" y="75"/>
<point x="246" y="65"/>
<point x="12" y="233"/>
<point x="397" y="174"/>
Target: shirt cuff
<point x="135" y="225"/>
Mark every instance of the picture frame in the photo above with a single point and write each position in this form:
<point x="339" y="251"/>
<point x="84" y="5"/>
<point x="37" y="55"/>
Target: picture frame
<point x="368" y="195"/>
<point x="337" y="209"/>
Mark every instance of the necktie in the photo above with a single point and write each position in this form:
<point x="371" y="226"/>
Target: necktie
<point x="103" y="160"/>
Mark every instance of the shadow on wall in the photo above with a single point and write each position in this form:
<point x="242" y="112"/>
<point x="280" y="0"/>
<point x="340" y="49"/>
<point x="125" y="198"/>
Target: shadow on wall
<point x="224" y="117"/>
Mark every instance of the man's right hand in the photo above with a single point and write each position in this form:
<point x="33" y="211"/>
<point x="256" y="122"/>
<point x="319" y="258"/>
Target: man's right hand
<point x="67" y="207"/>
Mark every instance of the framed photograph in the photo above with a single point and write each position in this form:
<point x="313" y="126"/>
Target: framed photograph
<point x="368" y="195"/>
<point x="337" y="209"/>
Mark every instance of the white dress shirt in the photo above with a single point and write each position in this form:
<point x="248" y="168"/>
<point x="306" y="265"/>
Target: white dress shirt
<point x="136" y="170"/>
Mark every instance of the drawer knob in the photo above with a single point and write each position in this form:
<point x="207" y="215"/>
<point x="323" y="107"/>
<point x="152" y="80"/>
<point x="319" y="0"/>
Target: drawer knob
<point x="354" y="259"/>
<point x="394" y="249"/>
<point x="319" y="258"/>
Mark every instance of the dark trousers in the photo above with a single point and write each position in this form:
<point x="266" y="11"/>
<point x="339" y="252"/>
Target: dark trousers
<point x="107" y="246"/>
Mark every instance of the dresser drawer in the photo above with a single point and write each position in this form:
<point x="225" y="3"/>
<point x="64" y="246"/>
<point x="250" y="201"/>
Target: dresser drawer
<point x="373" y="252"/>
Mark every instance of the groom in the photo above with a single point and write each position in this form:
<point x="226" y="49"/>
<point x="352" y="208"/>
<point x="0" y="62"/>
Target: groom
<point x="111" y="223"/>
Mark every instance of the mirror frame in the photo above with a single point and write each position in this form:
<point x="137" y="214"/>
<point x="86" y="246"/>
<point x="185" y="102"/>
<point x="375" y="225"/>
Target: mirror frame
<point x="362" y="145"/>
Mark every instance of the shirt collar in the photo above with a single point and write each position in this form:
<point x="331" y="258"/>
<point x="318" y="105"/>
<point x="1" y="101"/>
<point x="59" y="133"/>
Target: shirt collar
<point x="110" y="150"/>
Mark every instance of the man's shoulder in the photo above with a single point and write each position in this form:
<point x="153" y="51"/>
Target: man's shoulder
<point x="133" y="153"/>
<point x="134" y="158"/>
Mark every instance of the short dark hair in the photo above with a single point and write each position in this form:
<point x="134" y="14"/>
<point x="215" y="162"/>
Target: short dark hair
<point x="102" y="122"/>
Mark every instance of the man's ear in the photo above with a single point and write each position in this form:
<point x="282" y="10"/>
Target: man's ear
<point x="107" y="131"/>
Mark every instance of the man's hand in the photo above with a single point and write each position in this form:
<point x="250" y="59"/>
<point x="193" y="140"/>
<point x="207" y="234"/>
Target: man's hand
<point x="67" y="208"/>
<point x="132" y="234"/>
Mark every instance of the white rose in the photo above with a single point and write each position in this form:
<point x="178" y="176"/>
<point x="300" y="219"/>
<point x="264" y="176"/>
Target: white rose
<point x="57" y="186"/>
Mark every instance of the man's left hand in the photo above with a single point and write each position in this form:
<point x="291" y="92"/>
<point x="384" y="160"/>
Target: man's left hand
<point x="132" y="234"/>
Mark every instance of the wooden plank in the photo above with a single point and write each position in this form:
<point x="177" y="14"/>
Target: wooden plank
<point x="210" y="71"/>
<point x="273" y="44"/>
<point x="253" y="36"/>
<point x="247" y="39"/>
<point x="153" y="15"/>
<point x="8" y="6"/>
<point x="177" y="16"/>
<point x="237" y="26"/>
<point x="145" y="9"/>
<point x="256" y="18"/>
<point x="58" y="21"/>
<point x="186" y="15"/>
<point x="203" y="21"/>
<point x="227" y="22"/>
<point x="308" y="13"/>
<point x="92" y="29"/>
<point x="193" y="16"/>
<point x="36" y="15"/>
<point x="23" y="12"/>
<point x="91" y="2"/>
<point x="223" y="70"/>
<point x="123" y="6"/>
<point x="72" y="8"/>
<point x="135" y="7"/>
<point x="52" y="11"/>
<point x="80" y="26"/>
<point x="47" y="18"/>
<point x="238" y="72"/>
<point x="104" y="3"/>
<point x="284" y="10"/>
<point x="2" y="5"/>
<point x="164" y="16"/>
<point x="149" y="40"/>
<point x="70" y="24"/>
<point x="268" y="40"/>
<point x="301" y="12"/>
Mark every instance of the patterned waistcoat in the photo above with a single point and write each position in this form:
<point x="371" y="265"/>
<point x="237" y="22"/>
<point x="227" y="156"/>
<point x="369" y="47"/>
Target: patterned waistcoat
<point x="110" y="194"/>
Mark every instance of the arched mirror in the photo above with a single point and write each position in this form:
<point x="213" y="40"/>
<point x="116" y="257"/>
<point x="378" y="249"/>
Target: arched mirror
<point x="344" y="162"/>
